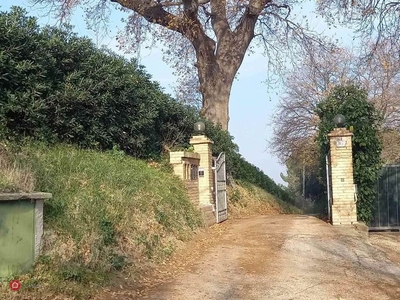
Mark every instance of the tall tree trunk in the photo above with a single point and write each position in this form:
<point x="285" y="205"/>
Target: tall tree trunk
<point x="217" y="60"/>
<point x="218" y="63"/>
<point x="217" y="70"/>
<point x="216" y="92"/>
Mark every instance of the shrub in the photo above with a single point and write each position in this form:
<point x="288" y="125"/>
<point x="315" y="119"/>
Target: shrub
<point x="351" y="101"/>
<point x="58" y="87"/>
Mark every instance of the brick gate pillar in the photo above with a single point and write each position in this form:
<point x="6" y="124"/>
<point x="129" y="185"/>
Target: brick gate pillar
<point x="344" y="211"/>
<point x="203" y="146"/>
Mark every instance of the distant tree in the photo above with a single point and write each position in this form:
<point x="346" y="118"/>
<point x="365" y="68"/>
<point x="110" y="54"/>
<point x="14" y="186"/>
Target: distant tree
<point x="380" y="75"/>
<point x="391" y="146"/>
<point x="210" y="37"/>
<point x="351" y="101"/>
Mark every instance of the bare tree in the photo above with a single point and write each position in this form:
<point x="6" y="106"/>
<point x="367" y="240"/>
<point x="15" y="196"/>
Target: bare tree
<point x="295" y="122"/>
<point x="211" y="35"/>
<point x="380" y="75"/>
<point x="375" y="21"/>
<point x="377" y="26"/>
<point x="382" y="79"/>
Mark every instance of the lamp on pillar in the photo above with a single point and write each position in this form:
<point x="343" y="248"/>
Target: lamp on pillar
<point x="343" y="209"/>
<point x="199" y="128"/>
<point x="339" y="120"/>
<point x="203" y="146"/>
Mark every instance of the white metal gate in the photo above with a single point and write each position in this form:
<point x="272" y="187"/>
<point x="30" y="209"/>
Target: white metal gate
<point x="329" y="185"/>
<point x="220" y="189"/>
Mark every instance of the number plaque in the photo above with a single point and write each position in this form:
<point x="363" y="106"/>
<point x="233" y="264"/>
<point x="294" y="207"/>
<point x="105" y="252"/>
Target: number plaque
<point x="340" y="143"/>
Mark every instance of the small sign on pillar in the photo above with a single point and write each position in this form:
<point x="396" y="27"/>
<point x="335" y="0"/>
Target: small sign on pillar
<point x="343" y="209"/>
<point x="340" y="142"/>
<point x="201" y="172"/>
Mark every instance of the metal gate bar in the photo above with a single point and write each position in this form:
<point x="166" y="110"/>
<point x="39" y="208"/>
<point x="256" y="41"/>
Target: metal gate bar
<point x="220" y="189"/>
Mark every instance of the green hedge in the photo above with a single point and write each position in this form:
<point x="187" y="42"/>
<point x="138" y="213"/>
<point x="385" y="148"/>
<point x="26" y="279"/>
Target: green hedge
<point x="58" y="87"/>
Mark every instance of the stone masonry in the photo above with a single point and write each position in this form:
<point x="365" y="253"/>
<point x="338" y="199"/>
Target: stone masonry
<point x="344" y="211"/>
<point x="186" y="166"/>
<point x="195" y="169"/>
<point x="203" y="146"/>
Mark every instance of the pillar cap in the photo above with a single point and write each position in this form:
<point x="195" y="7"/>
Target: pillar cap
<point x="340" y="132"/>
<point x="200" y="139"/>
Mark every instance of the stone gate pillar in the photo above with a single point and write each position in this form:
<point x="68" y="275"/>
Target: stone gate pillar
<point x="203" y="146"/>
<point x="344" y="211"/>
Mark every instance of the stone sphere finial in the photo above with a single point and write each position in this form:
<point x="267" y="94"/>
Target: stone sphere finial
<point x="339" y="120"/>
<point x="199" y="128"/>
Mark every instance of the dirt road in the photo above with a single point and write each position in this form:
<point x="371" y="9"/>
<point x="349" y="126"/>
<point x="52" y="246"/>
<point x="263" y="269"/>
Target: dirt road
<point x="279" y="257"/>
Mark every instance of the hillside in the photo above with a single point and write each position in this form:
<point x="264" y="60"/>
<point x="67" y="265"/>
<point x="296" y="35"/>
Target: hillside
<point x="110" y="214"/>
<point x="247" y="199"/>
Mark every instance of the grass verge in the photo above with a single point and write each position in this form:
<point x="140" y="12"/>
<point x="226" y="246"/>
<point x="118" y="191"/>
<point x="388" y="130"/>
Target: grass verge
<point x="13" y="178"/>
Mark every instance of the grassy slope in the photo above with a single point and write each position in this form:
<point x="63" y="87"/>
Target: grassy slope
<point x="109" y="212"/>
<point x="246" y="199"/>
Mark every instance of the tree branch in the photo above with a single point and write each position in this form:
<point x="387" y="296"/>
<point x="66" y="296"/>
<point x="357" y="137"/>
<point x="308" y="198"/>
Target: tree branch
<point x="153" y="12"/>
<point x="277" y="7"/>
<point x="218" y="18"/>
<point x="194" y="30"/>
<point x="256" y="6"/>
<point x="178" y="3"/>
<point x="250" y="16"/>
<point x="191" y="8"/>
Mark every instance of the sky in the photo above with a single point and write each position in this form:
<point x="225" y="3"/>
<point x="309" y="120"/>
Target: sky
<point x="252" y="104"/>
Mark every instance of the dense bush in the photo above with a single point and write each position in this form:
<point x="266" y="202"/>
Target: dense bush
<point x="58" y="87"/>
<point x="351" y="101"/>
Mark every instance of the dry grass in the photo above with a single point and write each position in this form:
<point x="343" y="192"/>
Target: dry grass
<point x="109" y="214"/>
<point x="13" y="178"/>
<point x="246" y="199"/>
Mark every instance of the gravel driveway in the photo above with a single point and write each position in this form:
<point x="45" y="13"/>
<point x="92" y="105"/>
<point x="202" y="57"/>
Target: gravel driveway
<point x="277" y="257"/>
